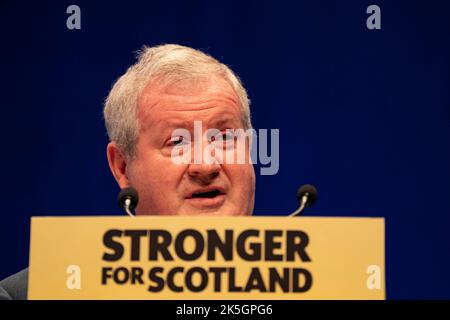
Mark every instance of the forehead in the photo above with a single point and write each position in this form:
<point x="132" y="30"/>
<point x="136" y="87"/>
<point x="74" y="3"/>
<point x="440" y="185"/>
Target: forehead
<point x="208" y="99"/>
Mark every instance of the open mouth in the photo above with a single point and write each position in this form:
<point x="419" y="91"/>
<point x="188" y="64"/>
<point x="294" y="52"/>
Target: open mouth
<point x="211" y="197"/>
<point x="208" y="194"/>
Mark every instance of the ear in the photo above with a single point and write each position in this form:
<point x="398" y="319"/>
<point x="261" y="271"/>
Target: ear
<point x="118" y="164"/>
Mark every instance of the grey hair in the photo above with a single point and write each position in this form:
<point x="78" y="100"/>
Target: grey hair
<point x="168" y="63"/>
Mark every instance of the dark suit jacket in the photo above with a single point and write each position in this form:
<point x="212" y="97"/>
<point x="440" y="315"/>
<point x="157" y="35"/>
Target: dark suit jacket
<point x="15" y="287"/>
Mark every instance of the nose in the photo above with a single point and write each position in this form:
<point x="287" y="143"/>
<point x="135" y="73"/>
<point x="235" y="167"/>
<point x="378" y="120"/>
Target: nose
<point x="208" y="168"/>
<point x="204" y="172"/>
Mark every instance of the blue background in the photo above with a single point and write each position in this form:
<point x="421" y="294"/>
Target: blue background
<point x="364" y="115"/>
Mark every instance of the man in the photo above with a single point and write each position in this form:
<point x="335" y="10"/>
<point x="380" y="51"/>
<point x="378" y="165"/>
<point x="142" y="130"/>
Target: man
<point x="173" y="87"/>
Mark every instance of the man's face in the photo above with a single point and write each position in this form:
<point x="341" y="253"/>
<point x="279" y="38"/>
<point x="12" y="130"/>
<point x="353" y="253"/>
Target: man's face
<point x="167" y="188"/>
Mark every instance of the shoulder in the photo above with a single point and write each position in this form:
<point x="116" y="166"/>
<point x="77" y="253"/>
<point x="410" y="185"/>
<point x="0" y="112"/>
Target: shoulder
<point x="15" y="287"/>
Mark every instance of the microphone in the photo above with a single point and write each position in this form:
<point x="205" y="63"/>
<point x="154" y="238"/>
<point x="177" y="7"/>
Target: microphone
<point x="307" y="196"/>
<point x="128" y="199"/>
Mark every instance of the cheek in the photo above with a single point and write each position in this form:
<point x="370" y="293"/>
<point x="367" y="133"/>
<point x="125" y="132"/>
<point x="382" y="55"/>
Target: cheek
<point x="157" y="173"/>
<point x="242" y="177"/>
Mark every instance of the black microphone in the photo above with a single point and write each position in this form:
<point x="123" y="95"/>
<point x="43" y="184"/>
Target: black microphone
<point x="307" y="196"/>
<point x="128" y="199"/>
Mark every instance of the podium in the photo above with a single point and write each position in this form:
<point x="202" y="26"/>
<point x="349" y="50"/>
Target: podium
<point x="187" y="258"/>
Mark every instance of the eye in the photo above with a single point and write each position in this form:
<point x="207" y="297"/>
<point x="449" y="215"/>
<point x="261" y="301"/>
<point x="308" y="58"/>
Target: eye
<point x="176" y="141"/>
<point x="223" y="139"/>
<point x="227" y="136"/>
<point x="223" y="136"/>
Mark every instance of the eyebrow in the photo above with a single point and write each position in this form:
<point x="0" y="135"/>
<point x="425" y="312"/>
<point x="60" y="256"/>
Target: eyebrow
<point x="227" y="120"/>
<point x="176" y="124"/>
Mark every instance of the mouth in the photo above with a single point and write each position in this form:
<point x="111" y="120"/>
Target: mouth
<point x="207" y="197"/>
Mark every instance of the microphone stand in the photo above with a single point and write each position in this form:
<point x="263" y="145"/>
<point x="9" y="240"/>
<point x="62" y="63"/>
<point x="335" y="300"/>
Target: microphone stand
<point x="303" y="202"/>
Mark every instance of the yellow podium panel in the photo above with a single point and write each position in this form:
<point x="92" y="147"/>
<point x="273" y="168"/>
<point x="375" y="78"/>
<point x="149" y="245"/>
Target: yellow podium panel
<point x="206" y="258"/>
